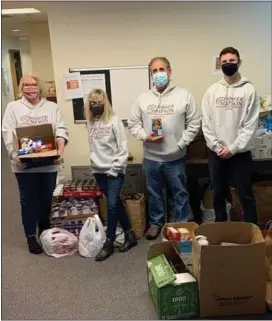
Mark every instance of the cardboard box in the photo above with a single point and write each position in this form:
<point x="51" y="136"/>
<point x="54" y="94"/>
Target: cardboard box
<point x="263" y="196"/>
<point x="232" y="279"/>
<point x="268" y="243"/>
<point x="41" y="132"/>
<point x="262" y="148"/>
<point x="185" y="247"/>
<point x="171" y="301"/>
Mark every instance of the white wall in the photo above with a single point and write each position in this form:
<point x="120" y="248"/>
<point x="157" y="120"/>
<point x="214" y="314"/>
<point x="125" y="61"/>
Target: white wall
<point x="40" y="50"/>
<point x="189" y="34"/>
<point x="8" y="43"/>
<point x="26" y="59"/>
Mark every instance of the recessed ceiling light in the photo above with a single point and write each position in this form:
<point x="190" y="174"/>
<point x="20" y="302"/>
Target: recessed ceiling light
<point x="20" y="11"/>
<point x="16" y="30"/>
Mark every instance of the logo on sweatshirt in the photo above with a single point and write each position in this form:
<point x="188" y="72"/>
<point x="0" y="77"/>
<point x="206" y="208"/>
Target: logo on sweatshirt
<point x="161" y="110"/>
<point x="30" y="120"/>
<point x="100" y="131"/>
<point x="230" y="102"/>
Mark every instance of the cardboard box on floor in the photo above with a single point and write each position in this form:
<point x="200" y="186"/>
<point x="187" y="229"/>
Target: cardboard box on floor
<point x="268" y="244"/>
<point x="231" y="279"/>
<point x="171" y="301"/>
<point x="41" y="132"/>
<point x="185" y="247"/>
<point x="263" y="196"/>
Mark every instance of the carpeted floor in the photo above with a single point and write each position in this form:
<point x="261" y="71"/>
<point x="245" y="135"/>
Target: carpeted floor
<point x="40" y="287"/>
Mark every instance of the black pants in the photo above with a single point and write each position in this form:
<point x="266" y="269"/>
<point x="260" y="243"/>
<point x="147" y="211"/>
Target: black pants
<point x="240" y="168"/>
<point x="36" y="192"/>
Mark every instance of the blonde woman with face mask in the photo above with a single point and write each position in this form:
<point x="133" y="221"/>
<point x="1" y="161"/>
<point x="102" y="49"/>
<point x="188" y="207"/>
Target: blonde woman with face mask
<point x="109" y="155"/>
<point x="36" y="185"/>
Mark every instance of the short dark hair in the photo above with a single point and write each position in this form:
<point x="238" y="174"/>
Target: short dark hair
<point x="163" y="59"/>
<point x="230" y="50"/>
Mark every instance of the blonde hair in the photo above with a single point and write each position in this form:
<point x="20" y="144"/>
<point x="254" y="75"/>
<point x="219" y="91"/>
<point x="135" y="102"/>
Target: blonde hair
<point x="39" y="81"/>
<point x="94" y="95"/>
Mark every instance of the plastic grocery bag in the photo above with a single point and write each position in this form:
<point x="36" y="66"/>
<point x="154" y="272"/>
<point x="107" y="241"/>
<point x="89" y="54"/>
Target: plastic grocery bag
<point x="119" y="236"/>
<point x="209" y="214"/>
<point x="91" y="237"/>
<point x="58" y="242"/>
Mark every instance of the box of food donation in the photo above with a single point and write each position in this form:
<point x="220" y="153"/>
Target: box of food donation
<point x="231" y="277"/>
<point x="174" y="291"/>
<point x="185" y="244"/>
<point x="36" y="145"/>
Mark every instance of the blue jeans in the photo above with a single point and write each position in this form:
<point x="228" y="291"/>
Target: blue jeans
<point x="36" y="192"/>
<point x="111" y="187"/>
<point x="173" y="175"/>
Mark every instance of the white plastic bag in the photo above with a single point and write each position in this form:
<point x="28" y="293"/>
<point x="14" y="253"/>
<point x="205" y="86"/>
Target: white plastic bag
<point x="58" y="242"/>
<point x="209" y="214"/>
<point x="119" y="236"/>
<point x="91" y="237"/>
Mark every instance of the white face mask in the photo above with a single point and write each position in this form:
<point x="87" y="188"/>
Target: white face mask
<point x="160" y="79"/>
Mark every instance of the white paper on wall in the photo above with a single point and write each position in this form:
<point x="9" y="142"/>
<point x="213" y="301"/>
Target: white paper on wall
<point x="72" y="86"/>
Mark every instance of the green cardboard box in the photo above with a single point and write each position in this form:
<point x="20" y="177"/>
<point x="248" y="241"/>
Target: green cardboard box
<point x="173" y="298"/>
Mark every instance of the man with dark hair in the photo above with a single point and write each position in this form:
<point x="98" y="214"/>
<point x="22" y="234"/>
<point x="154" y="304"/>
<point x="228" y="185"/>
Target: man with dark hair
<point x="165" y="149"/>
<point x="230" y="110"/>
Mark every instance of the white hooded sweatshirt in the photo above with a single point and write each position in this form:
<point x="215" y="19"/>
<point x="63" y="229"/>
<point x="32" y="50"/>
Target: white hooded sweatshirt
<point x="230" y="116"/>
<point x="20" y="113"/>
<point x="108" y="146"/>
<point x="180" y="118"/>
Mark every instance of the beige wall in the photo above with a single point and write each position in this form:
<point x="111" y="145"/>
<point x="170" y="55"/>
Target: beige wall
<point x="189" y="34"/>
<point x="40" y="50"/>
<point x="26" y="59"/>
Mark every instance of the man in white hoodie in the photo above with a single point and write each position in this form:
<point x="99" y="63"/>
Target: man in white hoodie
<point x="173" y="108"/>
<point x="230" y="118"/>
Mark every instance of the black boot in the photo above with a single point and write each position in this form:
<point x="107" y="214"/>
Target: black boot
<point x="106" y="251"/>
<point x="43" y="225"/>
<point x="33" y="246"/>
<point x="130" y="241"/>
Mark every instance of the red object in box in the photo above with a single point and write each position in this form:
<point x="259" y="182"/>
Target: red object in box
<point x="172" y="234"/>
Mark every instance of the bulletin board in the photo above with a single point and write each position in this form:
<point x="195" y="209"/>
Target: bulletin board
<point x="122" y="85"/>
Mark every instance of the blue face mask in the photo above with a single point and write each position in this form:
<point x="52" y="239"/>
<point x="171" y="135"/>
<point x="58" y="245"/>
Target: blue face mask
<point x="160" y="79"/>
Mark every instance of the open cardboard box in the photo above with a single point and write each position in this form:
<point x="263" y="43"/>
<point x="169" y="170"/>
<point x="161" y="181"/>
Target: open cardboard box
<point x="232" y="279"/>
<point x="171" y="300"/>
<point x="41" y="132"/>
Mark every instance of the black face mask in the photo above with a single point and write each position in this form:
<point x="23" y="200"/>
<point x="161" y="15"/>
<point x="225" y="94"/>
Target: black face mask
<point x="229" y="69"/>
<point x="97" y="109"/>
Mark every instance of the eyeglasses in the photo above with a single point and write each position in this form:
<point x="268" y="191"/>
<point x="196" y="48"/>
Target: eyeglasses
<point x="31" y="85"/>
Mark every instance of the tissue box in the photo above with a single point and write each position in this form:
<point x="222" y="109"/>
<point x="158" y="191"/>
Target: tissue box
<point x="173" y="298"/>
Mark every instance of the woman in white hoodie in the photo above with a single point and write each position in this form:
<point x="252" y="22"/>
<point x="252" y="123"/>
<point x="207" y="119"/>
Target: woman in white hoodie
<point x="109" y="155"/>
<point x="36" y="185"/>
